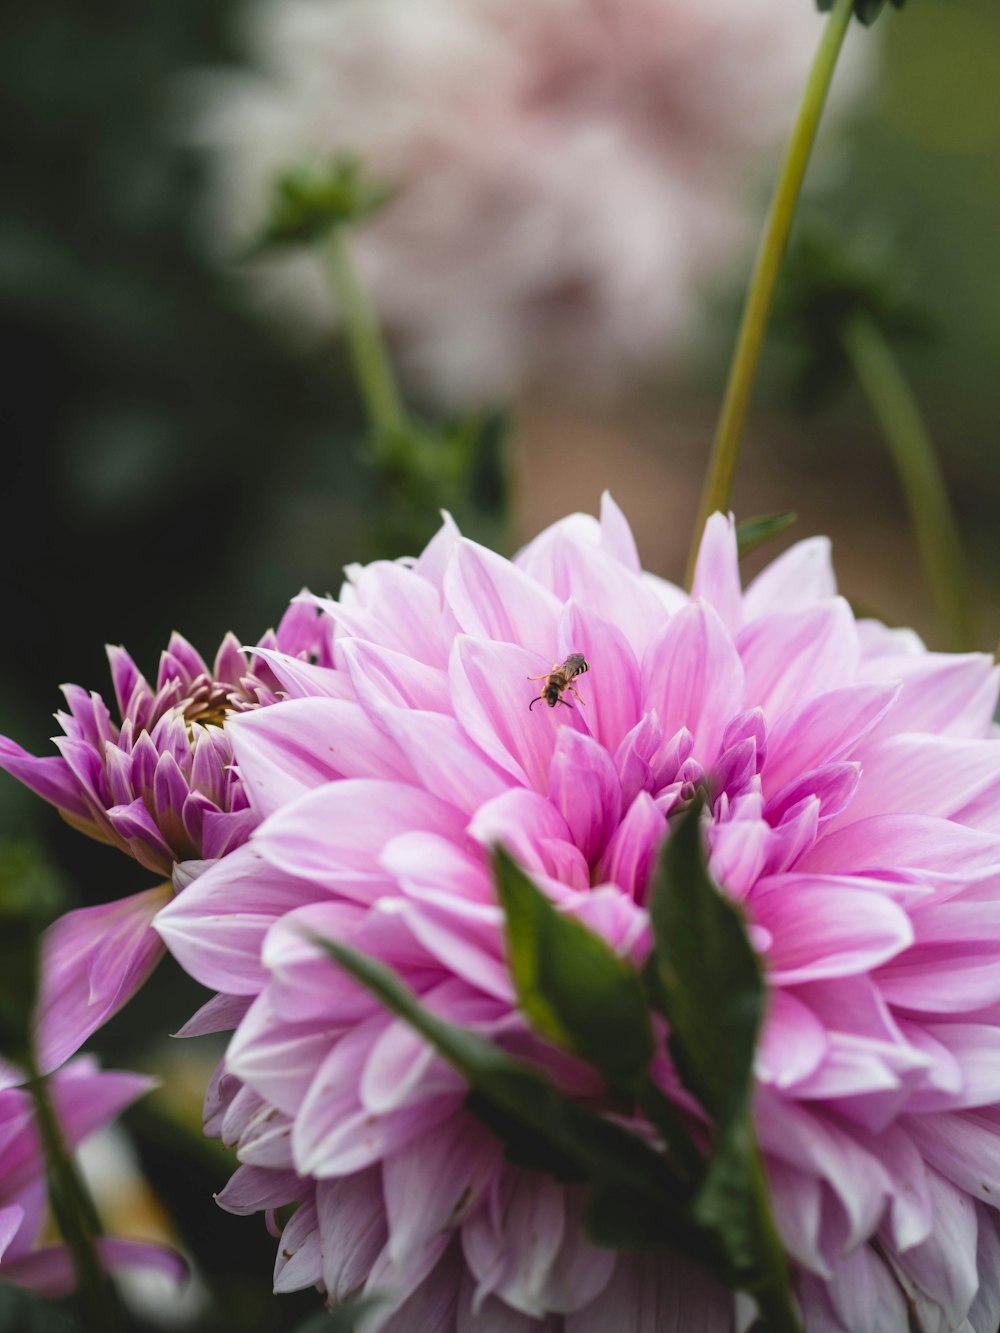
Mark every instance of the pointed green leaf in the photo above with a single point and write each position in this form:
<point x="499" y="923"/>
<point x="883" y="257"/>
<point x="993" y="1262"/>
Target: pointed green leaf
<point x="705" y="977"/>
<point x="708" y="978"/>
<point x="571" y="985"/>
<point x="754" y="532"/>
<point x="733" y="1206"/>
<point x="540" y="1127"/>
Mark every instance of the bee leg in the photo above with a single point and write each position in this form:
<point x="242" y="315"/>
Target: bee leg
<point x="578" y="695"/>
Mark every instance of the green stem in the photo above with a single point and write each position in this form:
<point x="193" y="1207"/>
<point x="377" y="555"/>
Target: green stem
<point x="912" y="451"/>
<point x="75" y="1214"/>
<point x="760" y="296"/>
<point x="365" y="344"/>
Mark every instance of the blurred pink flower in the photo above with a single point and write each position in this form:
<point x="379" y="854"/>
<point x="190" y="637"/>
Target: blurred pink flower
<point x="855" y="814"/>
<point x="568" y="172"/>
<point x="85" y="1099"/>
<point x="161" y="785"/>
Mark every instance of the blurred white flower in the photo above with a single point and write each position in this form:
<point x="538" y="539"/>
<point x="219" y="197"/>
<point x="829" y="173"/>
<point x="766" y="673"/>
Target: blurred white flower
<point x="568" y="172"/>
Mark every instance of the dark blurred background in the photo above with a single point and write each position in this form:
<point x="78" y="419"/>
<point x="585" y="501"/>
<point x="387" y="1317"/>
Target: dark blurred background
<point x="168" y="463"/>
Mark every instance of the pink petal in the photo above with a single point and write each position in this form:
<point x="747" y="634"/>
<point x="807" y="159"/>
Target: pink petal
<point x="611" y="687"/>
<point x="300" y="1261"/>
<point x="692" y="677"/>
<point x="797" y="1201"/>
<point x="975" y="1047"/>
<point x="629" y="856"/>
<point x="250" y="1189"/>
<point x="580" y="1271"/>
<point x="580" y="570"/>
<point x="511" y="1244"/>
<point x="931" y="775"/>
<point x="50" y="778"/>
<point x="962" y="1146"/>
<point x="444" y="759"/>
<point x="493" y="599"/>
<point x="616" y="534"/>
<point x="950" y="695"/>
<point x="11" y="1218"/>
<point x="790" y="656"/>
<point x="352" y="1230"/>
<point x="278" y="1060"/>
<point x="924" y="978"/>
<point x="823" y="728"/>
<point x="50" y="1271"/>
<point x="817" y="1144"/>
<point x="822" y="932"/>
<point x="436" y="1188"/>
<point x="301" y="680"/>
<point x="944" y="1266"/>
<point x="532" y="830"/>
<point x="381" y="676"/>
<point x="492" y="693"/>
<point x="793" y="1042"/>
<point x="222" y="1013"/>
<point x="334" y="836"/>
<point x="94" y="961"/>
<point x="717" y="573"/>
<point x="584" y="787"/>
<point x="285" y="752"/>
<point x="659" y="1293"/>
<point x="85" y="1100"/>
<point x="798" y="579"/>
<point x="216" y="927"/>
<point x="922" y="847"/>
<point x="865" y="1295"/>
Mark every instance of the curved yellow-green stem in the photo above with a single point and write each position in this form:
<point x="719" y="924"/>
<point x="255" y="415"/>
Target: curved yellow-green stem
<point x="760" y="296"/>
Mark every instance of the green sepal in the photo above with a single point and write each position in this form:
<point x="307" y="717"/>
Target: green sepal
<point x="421" y="468"/>
<point x="866" y="11"/>
<point x="310" y="199"/>
<point x="571" y="986"/>
<point x="754" y="532"/>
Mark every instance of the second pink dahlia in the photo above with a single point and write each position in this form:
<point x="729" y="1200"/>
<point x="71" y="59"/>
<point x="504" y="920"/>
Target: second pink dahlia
<point x="854" y="812"/>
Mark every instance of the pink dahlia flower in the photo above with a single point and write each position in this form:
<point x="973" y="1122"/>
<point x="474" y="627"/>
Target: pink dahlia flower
<point x="85" y="1099"/>
<point x="567" y="172"/>
<point x="160" y="784"/>
<point x="854" y="812"/>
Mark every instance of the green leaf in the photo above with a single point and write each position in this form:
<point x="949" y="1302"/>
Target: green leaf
<point x="341" y="1319"/>
<point x="31" y="895"/>
<point x="571" y="985"/>
<point x="539" y="1126"/>
<point x="708" y="979"/>
<point x="733" y="1206"/>
<point x="754" y="532"/>
<point x="310" y="199"/>
<point x="705" y="977"/>
<point x="23" y="1312"/>
<point x="828" y="281"/>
